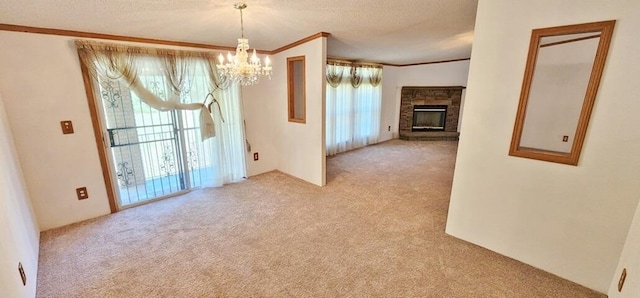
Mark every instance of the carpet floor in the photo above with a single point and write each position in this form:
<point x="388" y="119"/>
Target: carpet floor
<point x="376" y="229"/>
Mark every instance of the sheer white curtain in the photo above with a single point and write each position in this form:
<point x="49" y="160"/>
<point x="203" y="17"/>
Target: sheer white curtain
<point x="221" y="159"/>
<point x="352" y="114"/>
<point x="339" y="122"/>
<point x="367" y="114"/>
<point x="229" y="163"/>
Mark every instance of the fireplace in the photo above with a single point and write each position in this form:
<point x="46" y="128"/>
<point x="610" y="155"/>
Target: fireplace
<point x="430" y="113"/>
<point x="429" y="117"/>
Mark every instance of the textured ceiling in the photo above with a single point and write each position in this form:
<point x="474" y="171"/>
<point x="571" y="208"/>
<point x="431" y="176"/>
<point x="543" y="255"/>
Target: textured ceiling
<point x="398" y="32"/>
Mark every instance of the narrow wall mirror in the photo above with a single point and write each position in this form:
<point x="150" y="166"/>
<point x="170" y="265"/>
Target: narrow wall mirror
<point x="296" y="89"/>
<point x="559" y="88"/>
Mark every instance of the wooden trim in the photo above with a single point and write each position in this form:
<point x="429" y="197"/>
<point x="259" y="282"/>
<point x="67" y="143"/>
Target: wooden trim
<point x="291" y="100"/>
<point x="544" y="155"/>
<point x="545" y="151"/>
<point x="296" y="120"/>
<point x="592" y="87"/>
<point x="569" y="40"/>
<point x="606" y="31"/>
<point x="82" y="34"/>
<point x="435" y="87"/>
<point x="299" y="42"/>
<point x="97" y="132"/>
<point x="532" y="56"/>
<point x="425" y="63"/>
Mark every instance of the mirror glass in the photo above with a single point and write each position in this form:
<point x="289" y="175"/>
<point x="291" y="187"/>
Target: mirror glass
<point x="559" y="88"/>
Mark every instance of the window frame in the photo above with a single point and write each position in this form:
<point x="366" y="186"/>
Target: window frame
<point x="292" y="100"/>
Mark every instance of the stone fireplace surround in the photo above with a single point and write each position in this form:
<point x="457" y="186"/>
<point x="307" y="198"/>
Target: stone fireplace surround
<point x="411" y="96"/>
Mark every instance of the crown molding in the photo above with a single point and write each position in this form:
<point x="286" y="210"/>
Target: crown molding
<point x="425" y="63"/>
<point x="83" y="34"/>
<point x="299" y="42"/>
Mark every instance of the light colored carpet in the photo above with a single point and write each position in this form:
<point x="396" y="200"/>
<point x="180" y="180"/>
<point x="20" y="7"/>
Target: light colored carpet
<point x="376" y="229"/>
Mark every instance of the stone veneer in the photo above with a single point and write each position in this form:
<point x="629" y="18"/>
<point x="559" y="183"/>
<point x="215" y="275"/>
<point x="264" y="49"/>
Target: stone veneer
<point x="449" y="96"/>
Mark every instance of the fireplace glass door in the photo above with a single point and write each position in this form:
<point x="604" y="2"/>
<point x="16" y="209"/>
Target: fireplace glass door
<point x="429" y="117"/>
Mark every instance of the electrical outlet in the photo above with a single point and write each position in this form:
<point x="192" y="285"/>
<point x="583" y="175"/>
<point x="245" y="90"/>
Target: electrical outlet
<point x="82" y="193"/>
<point x="389" y="128"/>
<point x="565" y="138"/>
<point x="67" y="127"/>
<point x="23" y="275"/>
<point x="256" y="156"/>
<point x="623" y="276"/>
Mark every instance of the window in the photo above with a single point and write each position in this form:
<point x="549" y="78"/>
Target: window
<point x="353" y="103"/>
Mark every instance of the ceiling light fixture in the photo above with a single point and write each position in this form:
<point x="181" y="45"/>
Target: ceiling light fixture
<point x="241" y="68"/>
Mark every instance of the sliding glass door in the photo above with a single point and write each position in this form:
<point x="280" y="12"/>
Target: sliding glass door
<point x="152" y="154"/>
<point x="163" y="121"/>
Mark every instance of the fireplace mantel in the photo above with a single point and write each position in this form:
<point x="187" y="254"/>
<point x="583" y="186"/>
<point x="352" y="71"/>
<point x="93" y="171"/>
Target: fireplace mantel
<point x="438" y="96"/>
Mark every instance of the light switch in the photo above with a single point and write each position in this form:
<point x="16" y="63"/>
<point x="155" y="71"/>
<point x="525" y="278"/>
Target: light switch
<point x="67" y="127"/>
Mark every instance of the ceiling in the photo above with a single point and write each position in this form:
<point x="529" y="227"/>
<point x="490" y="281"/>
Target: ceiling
<point x="394" y="32"/>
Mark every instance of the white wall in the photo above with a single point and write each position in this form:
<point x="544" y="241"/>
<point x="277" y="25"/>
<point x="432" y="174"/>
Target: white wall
<point x="627" y="70"/>
<point x="630" y="259"/>
<point x="298" y="147"/>
<point x="41" y="82"/>
<point x="302" y="146"/>
<point x="569" y="220"/>
<point x="260" y="123"/>
<point x="394" y="78"/>
<point x="19" y="233"/>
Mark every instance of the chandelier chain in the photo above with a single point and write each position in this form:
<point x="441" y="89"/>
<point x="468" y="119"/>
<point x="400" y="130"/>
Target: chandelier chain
<point x="241" y="24"/>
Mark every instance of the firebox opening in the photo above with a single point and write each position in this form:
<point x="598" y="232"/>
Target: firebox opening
<point x="429" y="117"/>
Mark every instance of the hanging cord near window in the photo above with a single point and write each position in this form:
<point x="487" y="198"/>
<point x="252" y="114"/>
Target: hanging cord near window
<point x="244" y="126"/>
<point x="213" y="100"/>
<point x="244" y="123"/>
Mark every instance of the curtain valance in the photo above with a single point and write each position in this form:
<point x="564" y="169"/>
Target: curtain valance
<point x="356" y="73"/>
<point x="117" y="61"/>
<point x="121" y="48"/>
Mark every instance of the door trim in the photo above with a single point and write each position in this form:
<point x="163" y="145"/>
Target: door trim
<point x="97" y="132"/>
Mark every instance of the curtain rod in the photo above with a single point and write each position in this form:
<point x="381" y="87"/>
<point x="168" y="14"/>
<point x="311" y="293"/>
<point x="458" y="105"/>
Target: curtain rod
<point x="125" y="48"/>
<point x="350" y="63"/>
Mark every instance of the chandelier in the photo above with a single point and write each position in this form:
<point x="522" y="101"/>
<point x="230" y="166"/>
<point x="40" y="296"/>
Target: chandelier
<point x="240" y="68"/>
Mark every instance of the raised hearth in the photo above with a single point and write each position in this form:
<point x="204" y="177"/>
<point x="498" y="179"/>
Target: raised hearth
<point x="420" y="98"/>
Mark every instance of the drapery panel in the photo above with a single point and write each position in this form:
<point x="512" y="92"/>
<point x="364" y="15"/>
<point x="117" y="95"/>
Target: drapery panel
<point x="352" y="110"/>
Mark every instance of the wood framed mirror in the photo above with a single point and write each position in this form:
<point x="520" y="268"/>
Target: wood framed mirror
<point x="561" y="79"/>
